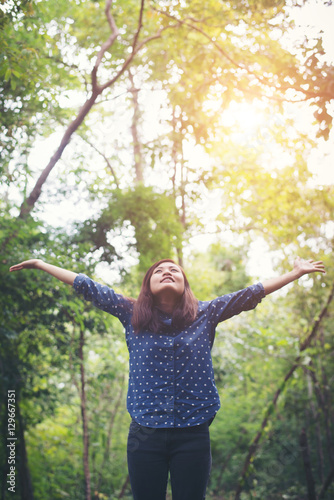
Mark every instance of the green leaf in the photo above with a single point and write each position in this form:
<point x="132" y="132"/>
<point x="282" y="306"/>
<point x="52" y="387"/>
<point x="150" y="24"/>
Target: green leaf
<point x="8" y="74"/>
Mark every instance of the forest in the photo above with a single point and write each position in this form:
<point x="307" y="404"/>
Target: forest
<point x="136" y="130"/>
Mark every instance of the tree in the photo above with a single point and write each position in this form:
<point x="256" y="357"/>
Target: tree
<point x="235" y="51"/>
<point x="34" y="76"/>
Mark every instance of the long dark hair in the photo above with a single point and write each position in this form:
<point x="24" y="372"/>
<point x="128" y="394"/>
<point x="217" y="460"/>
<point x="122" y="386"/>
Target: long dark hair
<point x="146" y="315"/>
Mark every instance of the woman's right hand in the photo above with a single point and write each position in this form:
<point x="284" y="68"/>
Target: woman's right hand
<point x="27" y="264"/>
<point x="58" y="272"/>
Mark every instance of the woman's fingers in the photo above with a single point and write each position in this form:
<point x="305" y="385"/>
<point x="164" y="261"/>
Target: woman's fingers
<point x="318" y="266"/>
<point x="27" y="264"/>
<point x="17" y="267"/>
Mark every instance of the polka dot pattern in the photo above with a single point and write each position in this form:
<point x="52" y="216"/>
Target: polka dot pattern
<point x="171" y="379"/>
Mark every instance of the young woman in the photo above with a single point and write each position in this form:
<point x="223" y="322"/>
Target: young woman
<point x="172" y="397"/>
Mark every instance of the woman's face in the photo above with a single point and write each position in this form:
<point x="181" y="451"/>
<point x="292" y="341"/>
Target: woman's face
<point x="167" y="278"/>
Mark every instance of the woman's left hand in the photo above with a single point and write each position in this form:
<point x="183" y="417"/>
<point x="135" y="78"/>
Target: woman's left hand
<point x="302" y="266"/>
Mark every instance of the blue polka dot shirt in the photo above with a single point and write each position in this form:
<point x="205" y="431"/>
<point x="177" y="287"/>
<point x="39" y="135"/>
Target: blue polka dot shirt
<point x="171" y="379"/>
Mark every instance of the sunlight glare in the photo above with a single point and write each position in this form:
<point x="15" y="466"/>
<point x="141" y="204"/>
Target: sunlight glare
<point x="245" y="116"/>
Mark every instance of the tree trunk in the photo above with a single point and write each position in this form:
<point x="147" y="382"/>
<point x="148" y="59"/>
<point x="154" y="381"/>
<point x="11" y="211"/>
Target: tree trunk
<point x="23" y="468"/>
<point x="29" y="202"/>
<point x="174" y="153"/>
<point x="110" y="429"/>
<point x="326" y="398"/>
<point x="176" y="149"/>
<point x="85" y="434"/>
<point x="315" y="416"/>
<point x="323" y="404"/>
<point x="307" y="465"/>
<point x="137" y="153"/>
<point x="125" y="485"/>
<point x="227" y="461"/>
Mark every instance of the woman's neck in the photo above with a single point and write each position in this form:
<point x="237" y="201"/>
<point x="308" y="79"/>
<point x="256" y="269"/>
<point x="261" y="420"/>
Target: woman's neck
<point x="166" y="304"/>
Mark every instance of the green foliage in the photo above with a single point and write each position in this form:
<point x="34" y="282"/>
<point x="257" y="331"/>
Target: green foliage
<point x="282" y="205"/>
<point x="252" y="355"/>
<point x="157" y="230"/>
<point x="201" y="59"/>
<point x="220" y="270"/>
<point x="39" y="346"/>
<point x="33" y="74"/>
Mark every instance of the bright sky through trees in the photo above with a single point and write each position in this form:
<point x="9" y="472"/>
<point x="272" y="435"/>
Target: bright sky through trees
<point x="246" y="119"/>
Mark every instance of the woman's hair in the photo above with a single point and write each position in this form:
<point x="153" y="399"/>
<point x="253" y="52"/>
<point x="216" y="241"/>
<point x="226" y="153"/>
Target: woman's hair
<point x="146" y="315"/>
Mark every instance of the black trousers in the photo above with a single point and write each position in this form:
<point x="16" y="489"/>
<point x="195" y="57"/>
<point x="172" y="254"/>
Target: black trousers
<point x="185" y="453"/>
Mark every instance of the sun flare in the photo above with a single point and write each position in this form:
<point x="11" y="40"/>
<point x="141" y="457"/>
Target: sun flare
<point x="244" y="116"/>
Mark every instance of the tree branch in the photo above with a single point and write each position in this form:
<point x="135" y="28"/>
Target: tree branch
<point x="140" y="25"/>
<point x="29" y="202"/>
<point x="106" y="45"/>
<point x="104" y="157"/>
<point x="326" y="484"/>
<point x="208" y="37"/>
<point x="309" y="94"/>
<point x="132" y="55"/>
<point x="97" y="89"/>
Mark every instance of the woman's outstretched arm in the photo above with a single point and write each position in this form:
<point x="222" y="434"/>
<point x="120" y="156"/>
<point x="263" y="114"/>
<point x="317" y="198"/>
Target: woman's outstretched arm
<point x="59" y="273"/>
<point x="300" y="268"/>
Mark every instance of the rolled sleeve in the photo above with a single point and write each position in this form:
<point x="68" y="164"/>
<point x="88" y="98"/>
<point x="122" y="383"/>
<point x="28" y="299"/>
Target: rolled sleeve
<point x="103" y="297"/>
<point x="232" y="304"/>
